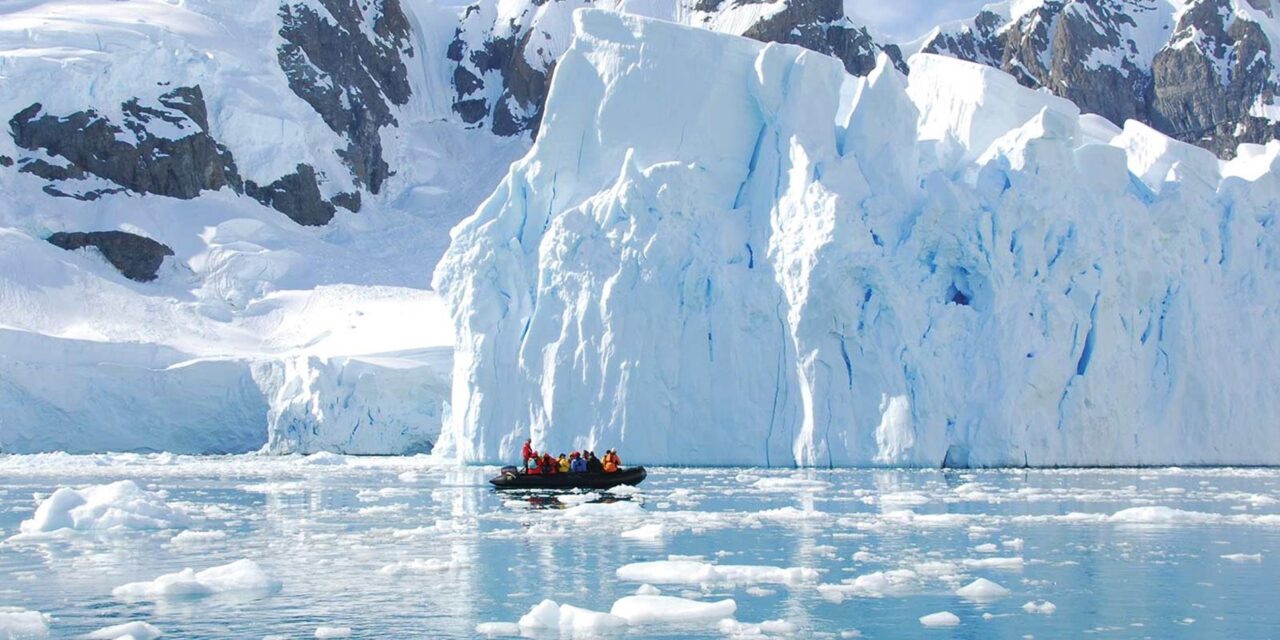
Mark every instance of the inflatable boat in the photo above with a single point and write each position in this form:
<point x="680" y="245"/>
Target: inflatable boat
<point x="513" y="478"/>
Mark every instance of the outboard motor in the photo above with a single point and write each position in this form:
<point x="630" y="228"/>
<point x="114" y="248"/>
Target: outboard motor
<point x="509" y="472"/>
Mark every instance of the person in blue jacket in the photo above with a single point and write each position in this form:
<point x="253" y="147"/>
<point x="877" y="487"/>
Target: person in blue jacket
<point x="577" y="464"/>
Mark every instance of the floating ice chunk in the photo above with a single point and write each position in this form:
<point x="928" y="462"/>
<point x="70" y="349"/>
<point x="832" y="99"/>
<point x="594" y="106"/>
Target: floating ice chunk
<point x="238" y="576"/>
<point x="137" y="630"/>
<point x="193" y="538"/>
<point x="695" y="572"/>
<point x="623" y="490"/>
<point x="872" y="585"/>
<point x="408" y="477"/>
<point x="604" y="510"/>
<point x="578" y="498"/>
<point x="496" y="629"/>
<point x="1242" y="557"/>
<point x="863" y="556"/>
<point x="940" y="619"/>
<point x="790" y="484"/>
<point x="986" y="548"/>
<point x="668" y="609"/>
<point x="420" y="565"/>
<point x="119" y="505"/>
<point x="1015" y="544"/>
<point x="759" y="592"/>
<point x="766" y="629"/>
<point x="1162" y="515"/>
<point x="549" y="616"/>
<point x="1045" y="607"/>
<point x="324" y="459"/>
<point x="333" y="632"/>
<point x="648" y="590"/>
<point x="23" y="624"/>
<point x="646" y="532"/>
<point x="982" y="589"/>
<point x="1003" y="564"/>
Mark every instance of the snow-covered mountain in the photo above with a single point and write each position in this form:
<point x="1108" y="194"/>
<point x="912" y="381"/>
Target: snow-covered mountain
<point x="721" y="251"/>
<point x="219" y="219"/>
<point x="1201" y="71"/>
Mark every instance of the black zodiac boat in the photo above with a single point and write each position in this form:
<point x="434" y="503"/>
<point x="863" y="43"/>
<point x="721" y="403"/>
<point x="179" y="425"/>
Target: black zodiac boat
<point x="512" y="478"/>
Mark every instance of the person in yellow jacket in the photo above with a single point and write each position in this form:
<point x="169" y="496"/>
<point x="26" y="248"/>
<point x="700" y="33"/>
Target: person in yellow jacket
<point x="563" y="462"/>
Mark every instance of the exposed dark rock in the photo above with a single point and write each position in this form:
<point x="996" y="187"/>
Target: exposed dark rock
<point x="139" y="160"/>
<point x="6" y="161"/>
<point x="349" y="201"/>
<point x="820" y="25"/>
<point x="296" y="195"/>
<point x="49" y="171"/>
<point x="350" y="79"/>
<point x="1080" y="50"/>
<point x="1192" y="102"/>
<point x="136" y="257"/>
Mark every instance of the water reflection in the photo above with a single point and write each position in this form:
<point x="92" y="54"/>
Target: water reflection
<point x="401" y="548"/>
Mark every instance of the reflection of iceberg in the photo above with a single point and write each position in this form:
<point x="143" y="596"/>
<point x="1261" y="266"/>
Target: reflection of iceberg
<point x="721" y="251"/>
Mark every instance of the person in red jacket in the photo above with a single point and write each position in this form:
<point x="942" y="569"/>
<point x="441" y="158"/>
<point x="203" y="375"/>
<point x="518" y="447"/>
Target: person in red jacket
<point x="528" y="453"/>
<point x="548" y="464"/>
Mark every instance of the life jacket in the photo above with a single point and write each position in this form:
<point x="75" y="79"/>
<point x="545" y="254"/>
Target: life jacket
<point x="609" y="466"/>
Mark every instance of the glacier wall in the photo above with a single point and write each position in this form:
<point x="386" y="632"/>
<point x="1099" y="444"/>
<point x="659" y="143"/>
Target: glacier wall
<point x="720" y="251"/>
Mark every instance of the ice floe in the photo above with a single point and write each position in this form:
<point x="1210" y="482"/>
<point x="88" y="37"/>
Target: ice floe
<point x="696" y="572"/>
<point x="668" y="609"/>
<point x="1042" y="607"/>
<point x="118" y="505"/>
<point x="940" y="619"/>
<point x="136" y="630"/>
<point x="23" y="624"/>
<point x="982" y="589"/>
<point x="239" y="576"/>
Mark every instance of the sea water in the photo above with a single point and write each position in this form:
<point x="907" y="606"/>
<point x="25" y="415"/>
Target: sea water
<point x="408" y="548"/>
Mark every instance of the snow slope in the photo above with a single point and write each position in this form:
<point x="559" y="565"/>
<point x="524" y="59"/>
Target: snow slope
<point x="720" y="251"/>
<point x="258" y="330"/>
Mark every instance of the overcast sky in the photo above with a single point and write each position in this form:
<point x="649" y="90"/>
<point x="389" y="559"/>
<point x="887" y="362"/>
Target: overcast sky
<point x="906" y="19"/>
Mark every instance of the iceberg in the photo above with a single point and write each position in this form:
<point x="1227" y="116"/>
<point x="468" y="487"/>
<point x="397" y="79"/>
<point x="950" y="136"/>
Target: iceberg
<point x="726" y="252"/>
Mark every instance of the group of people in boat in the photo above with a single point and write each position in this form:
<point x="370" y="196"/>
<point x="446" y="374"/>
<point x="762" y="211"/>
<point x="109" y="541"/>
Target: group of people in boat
<point x="576" y="462"/>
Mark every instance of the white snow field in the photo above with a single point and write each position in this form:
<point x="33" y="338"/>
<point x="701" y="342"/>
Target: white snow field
<point x="259" y="331"/>
<point x="725" y="252"/>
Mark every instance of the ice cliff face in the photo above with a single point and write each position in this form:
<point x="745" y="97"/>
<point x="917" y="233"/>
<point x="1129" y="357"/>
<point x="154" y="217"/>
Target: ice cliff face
<point x="720" y="251"/>
<point x="1200" y="71"/>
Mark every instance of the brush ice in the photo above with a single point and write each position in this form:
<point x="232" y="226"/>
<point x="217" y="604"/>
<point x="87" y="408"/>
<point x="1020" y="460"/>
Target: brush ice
<point x="23" y="624"/>
<point x="239" y="576"/>
<point x="982" y="589"/>
<point x="119" y="505"/>
<point x="1242" y="557"/>
<point x="325" y="633"/>
<point x="671" y="610"/>
<point x="136" y="630"/>
<point x="951" y="274"/>
<point x="695" y="572"/>
<point x="646" y="532"/>
<point x="1042" y="607"/>
<point x="196" y="538"/>
<point x="940" y="619"/>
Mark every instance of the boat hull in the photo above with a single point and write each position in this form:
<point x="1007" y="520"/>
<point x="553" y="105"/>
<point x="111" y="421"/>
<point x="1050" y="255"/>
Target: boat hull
<point x="565" y="481"/>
